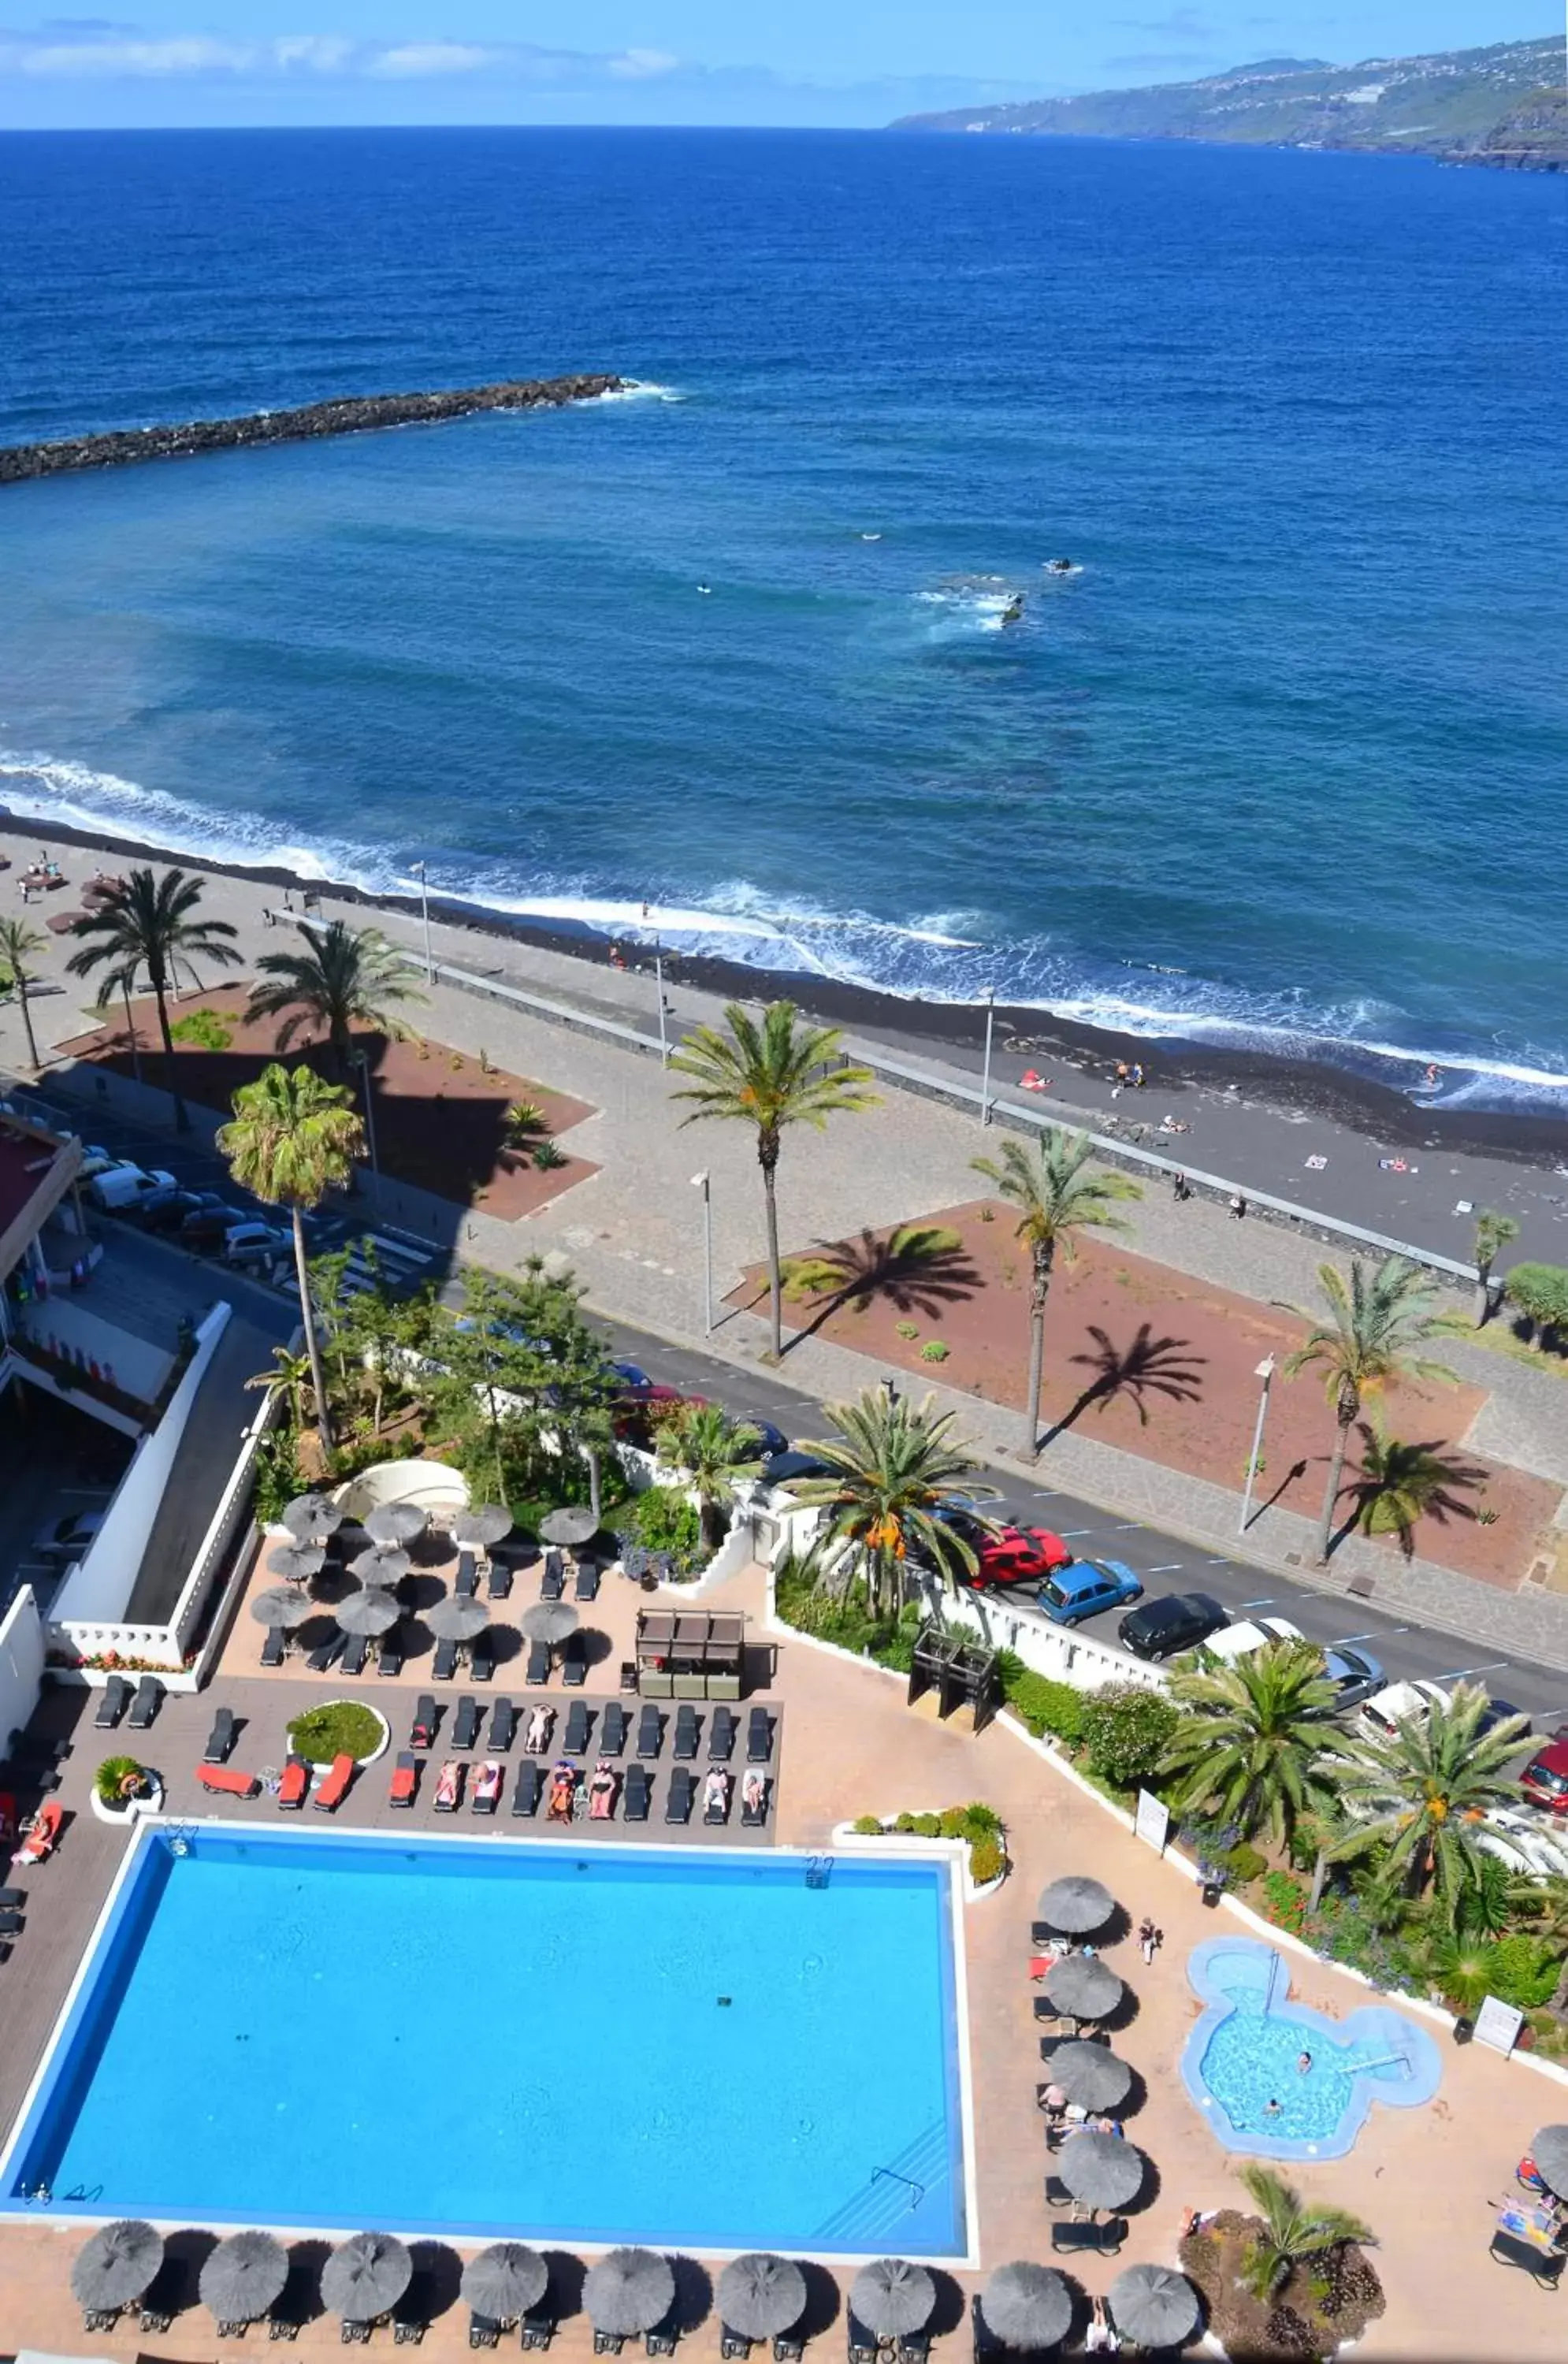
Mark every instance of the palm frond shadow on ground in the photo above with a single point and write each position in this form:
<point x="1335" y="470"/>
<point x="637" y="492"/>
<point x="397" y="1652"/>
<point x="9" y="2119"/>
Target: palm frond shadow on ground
<point x="1147" y="1367"/>
<point x="916" y="1269"/>
<point x="1398" y="1484"/>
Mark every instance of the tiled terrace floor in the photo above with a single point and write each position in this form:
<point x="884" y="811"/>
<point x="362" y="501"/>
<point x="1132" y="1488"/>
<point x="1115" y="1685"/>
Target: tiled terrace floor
<point x="1424" y="2178"/>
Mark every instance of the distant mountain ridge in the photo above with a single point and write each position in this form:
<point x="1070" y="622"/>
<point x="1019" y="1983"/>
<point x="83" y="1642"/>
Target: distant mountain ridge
<point x="1505" y="105"/>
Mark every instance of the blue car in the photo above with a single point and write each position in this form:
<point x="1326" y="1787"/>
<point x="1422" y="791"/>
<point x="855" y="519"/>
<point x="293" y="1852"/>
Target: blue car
<point x="1085" y="1588"/>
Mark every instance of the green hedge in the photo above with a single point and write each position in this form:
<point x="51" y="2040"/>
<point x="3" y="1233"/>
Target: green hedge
<point x="1045" y="1705"/>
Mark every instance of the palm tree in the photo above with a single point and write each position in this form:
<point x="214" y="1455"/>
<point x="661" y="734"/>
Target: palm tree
<point x="714" y="1451"/>
<point x="1423" y="1792"/>
<point x="289" y="1375"/>
<point x="1401" y="1483"/>
<point x="779" y="1073"/>
<point x="1375" y="1325"/>
<point x="348" y="978"/>
<point x="1493" y="1234"/>
<point x="1293" y="2230"/>
<point x="1056" y="1199"/>
<point x="895" y="1469"/>
<point x="293" y="1139"/>
<point x="1544" y="1903"/>
<point x="143" y="922"/>
<point x="18" y="943"/>
<point x="1250" y="1736"/>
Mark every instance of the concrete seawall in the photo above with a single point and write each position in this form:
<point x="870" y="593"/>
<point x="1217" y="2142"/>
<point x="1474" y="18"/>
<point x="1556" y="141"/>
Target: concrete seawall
<point x="353" y="415"/>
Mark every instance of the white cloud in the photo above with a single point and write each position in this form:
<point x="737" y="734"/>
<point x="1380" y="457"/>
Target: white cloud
<point x="643" y="65"/>
<point x="425" y="60"/>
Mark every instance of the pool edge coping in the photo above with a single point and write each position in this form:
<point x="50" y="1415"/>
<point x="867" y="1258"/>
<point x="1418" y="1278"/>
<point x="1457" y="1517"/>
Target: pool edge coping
<point x="937" y="1853"/>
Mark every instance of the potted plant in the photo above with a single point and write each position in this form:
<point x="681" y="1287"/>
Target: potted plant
<point x="123" y="1788"/>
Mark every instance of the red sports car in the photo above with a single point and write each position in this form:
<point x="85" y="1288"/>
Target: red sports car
<point x="1009" y="1555"/>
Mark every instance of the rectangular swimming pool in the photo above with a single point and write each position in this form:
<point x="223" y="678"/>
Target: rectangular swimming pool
<point x="722" y="2051"/>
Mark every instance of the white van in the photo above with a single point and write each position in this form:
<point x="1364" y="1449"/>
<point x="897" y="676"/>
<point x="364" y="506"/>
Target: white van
<point x="1233" y="1642"/>
<point x="122" y="1186"/>
<point x="1380" y="1717"/>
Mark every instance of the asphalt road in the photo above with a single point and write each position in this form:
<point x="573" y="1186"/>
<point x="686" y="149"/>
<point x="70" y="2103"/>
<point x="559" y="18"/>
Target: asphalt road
<point x="1164" y="1563"/>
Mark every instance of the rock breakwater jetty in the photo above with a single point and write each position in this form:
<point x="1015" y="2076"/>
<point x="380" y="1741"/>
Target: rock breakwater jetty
<point x="350" y="414"/>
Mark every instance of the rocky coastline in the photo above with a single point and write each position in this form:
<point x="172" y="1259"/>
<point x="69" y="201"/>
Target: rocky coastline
<point x="350" y="414"/>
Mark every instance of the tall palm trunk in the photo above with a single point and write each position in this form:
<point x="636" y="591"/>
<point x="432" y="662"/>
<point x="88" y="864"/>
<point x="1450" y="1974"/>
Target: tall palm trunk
<point x="312" y="1343"/>
<point x="182" y="1120"/>
<point x="768" y="1158"/>
<point x="1349" y="1407"/>
<point x="21" y="984"/>
<point x="1039" y="1288"/>
<point x="590" y="1455"/>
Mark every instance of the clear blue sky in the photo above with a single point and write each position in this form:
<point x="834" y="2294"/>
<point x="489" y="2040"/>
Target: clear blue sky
<point x="761" y="62"/>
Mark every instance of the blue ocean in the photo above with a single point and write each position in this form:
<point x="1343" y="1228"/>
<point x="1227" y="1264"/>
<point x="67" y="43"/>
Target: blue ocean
<point x="1282" y="760"/>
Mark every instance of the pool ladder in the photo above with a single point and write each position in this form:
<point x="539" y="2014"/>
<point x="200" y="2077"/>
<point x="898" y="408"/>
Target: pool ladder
<point x="818" y="1870"/>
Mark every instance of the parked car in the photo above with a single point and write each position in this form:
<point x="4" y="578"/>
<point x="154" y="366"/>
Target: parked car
<point x="1382" y="1715"/>
<point x="119" y="1188"/>
<point x="1545" y="1779"/>
<point x="782" y="1466"/>
<point x="165" y="1209"/>
<point x="1249" y="1633"/>
<point x="250" y="1243"/>
<point x="68" y="1537"/>
<point x="773" y="1440"/>
<point x="1175" y="1622"/>
<point x="1498" y="1711"/>
<point x="206" y="1229"/>
<point x="1085" y="1588"/>
<point x="1355" y="1674"/>
<point x="634" y="1378"/>
<point x="1527" y="1840"/>
<point x="1006" y="1554"/>
<point x="96" y="1158"/>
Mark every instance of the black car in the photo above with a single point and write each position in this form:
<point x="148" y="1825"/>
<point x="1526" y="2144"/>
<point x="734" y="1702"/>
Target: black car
<point x="784" y="1467"/>
<point x="1176" y="1621"/>
<point x="772" y="1440"/>
<point x="209" y="1226"/>
<point x="165" y="1210"/>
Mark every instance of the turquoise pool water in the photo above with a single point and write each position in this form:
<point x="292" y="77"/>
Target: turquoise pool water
<point x="1280" y="2080"/>
<point x="491" y="2037"/>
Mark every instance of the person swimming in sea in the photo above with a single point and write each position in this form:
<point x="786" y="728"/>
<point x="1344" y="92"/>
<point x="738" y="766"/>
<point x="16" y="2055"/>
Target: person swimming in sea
<point x="1013" y="613"/>
<point x="1059" y="566"/>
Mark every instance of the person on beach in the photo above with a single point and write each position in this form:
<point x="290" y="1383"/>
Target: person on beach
<point x="1181" y="1188"/>
<point x="1151" y="1938"/>
<point x="1238" y="1206"/>
<point x="1122" y="1073"/>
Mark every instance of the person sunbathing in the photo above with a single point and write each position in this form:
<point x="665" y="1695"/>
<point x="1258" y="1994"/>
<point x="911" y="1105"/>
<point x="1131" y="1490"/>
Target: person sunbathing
<point x="563" y="1791"/>
<point x="753" y="1790"/>
<point x="602" y="1791"/>
<point x="716" y="1791"/>
<point x="537" y="1739"/>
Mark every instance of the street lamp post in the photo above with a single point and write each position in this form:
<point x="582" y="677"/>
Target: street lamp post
<point x="370" y="1131"/>
<point x="658" y="984"/>
<point x="1264" y="1374"/>
<point x="418" y="870"/>
<point x="130" y="1030"/>
<point x="985" y="1079"/>
<point x="700" y="1182"/>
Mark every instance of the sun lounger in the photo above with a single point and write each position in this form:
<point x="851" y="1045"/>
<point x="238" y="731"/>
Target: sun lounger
<point x="788" y="2347"/>
<point x="356" y="1651"/>
<point x="732" y="2349"/>
<point x="448" y="1787"/>
<point x="273" y="1647"/>
<point x="335" y="1787"/>
<point x="502" y="1726"/>
<point x="322" y="1661"/>
<point x="482" y="1657"/>
<point x="587" y="1585"/>
<point x="608" y="2343"/>
<point x="466" y="1582"/>
<point x="862" y="2347"/>
<point x="1546" y="2265"/>
<point x="639" y="1794"/>
<point x="758" y="1737"/>
<point x="574" y="1661"/>
<point x="755" y="1791"/>
<point x="485" y="1795"/>
<point x="147" y="1700"/>
<point x="682" y="1791"/>
<point x="716" y="1796"/>
<point x="295" y="1784"/>
<point x="577" y="1727"/>
<point x="660" y="2340"/>
<point x="405" y="1780"/>
<point x="1105" y="2239"/>
<point x="39" y="1841"/>
<point x="12" y="1900"/>
<point x="160" y="2301"/>
<point x="229" y="1779"/>
<point x="112" y="1705"/>
<point x="601" y="1791"/>
<point x="466" y="1723"/>
<point x="688" y="1730"/>
<point x="538" y="1664"/>
<point x="499" y="1585"/>
<point x="553" y="1583"/>
<point x="650" y="1731"/>
<point x="484" y="2331"/>
<point x="422" y="1732"/>
<point x="444" y="1666"/>
<point x="389" y="1653"/>
<point x="913" y="2348"/>
<point x="527" y="1789"/>
<point x="221" y="1738"/>
<point x="720" y="1736"/>
<point x="1056" y="2193"/>
<point x="538" y="2326"/>
<point x="11" y="1925"/>
<point x="612" y="1730"/>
